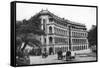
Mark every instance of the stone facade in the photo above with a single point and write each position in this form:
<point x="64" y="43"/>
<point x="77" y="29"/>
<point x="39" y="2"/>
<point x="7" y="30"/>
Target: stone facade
<point x="62" y="34"/>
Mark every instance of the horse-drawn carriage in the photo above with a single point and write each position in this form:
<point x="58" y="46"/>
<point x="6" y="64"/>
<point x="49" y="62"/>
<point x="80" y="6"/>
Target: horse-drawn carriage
<point x="68" y="55"/>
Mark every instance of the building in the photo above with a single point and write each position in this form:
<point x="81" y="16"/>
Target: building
<point x="61" y="33"/>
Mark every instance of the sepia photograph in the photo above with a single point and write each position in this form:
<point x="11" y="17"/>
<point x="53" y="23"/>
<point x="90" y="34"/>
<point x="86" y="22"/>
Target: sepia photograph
<point x="55" y="34"/>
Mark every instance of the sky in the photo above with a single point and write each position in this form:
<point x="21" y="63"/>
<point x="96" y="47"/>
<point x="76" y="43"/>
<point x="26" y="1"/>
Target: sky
<point x="84" y="15"/>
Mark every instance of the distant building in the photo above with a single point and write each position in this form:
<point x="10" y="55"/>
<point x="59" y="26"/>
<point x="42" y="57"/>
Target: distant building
<point x="61" y="34"/>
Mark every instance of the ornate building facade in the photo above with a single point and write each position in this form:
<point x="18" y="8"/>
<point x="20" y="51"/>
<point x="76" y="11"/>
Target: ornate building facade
<point x="61" y="34"/>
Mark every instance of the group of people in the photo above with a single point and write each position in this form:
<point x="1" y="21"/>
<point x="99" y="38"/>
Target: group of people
<point x="44" y="54"/>
<point x="60" y="56"/>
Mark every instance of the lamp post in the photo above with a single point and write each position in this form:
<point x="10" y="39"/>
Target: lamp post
<point x="69" y="37"/>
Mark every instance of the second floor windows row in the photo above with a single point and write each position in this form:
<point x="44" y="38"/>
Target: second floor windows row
<point x="60" y="31"/>
<point x="77" y="34"/>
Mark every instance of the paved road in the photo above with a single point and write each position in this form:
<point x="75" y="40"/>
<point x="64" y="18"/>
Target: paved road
<point x="53" y="59"/>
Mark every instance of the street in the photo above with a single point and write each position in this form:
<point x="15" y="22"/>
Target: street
<point x="53" y="59"/>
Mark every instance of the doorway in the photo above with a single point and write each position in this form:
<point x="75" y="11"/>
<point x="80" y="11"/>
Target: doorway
<point x="51" y="51"/>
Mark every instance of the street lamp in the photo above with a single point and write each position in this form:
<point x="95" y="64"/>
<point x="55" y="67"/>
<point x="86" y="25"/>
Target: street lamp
<point x="69" y="37"/>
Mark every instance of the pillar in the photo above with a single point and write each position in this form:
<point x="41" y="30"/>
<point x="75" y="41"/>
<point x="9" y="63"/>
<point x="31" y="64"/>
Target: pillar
<point x="87" y="44"/>
<point x="47" y="40"/>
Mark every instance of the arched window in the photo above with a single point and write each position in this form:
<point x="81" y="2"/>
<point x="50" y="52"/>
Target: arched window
<point x="45" y="40"/>
<point x="44" y="21"/>
<point x="50" y="39"/>
<point x="50" y="29"/>
<point x="84" y="47"/>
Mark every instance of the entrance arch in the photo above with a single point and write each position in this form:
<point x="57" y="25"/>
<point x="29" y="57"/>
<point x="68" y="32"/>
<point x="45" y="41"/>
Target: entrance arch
<point x="51" y="51"/>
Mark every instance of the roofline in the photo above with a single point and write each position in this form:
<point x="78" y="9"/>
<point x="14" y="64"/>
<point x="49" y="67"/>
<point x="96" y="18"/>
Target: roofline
<point x="61" y="19"/>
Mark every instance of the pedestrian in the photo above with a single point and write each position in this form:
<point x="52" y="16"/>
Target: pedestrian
<point x="59" y="53"/>
<point x="44" y="54"/>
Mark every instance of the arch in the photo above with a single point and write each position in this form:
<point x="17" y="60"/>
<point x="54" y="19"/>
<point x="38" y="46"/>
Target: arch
<point x="50" y="39"/>
<point x="51" y="50"/>
<point x="50" y="29"/>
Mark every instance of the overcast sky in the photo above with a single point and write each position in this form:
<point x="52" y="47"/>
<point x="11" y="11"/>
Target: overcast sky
<point x="84" y="15"/>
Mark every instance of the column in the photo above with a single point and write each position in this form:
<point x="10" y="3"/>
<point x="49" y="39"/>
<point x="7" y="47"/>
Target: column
<point x="53" y="29"/>
<point x="42" y="40"/>
<point x="54" y="44"/>
<point x="47" y="40"/>
<point x="47" y="43"/>
<point x="53" y="39"/>
<point x="86" y="35"/>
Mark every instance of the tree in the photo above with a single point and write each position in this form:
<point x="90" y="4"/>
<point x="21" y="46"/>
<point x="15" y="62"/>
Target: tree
<point x="92" y="36"/>
<point x="26" y="27"/>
